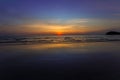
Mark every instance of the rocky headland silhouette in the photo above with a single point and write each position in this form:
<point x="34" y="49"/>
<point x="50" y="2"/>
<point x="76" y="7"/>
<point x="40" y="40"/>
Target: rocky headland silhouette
<point x="113" y="33"/>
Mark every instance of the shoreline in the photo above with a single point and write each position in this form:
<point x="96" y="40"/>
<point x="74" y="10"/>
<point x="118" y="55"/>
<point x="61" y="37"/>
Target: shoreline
<point x="32" y="43"/>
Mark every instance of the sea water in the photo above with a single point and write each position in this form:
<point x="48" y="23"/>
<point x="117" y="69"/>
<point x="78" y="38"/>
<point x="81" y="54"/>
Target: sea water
<point x="59" y="39"/>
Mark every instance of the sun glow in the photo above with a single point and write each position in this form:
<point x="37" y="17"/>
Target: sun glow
<point x="59" y="33"/>
<point x="53" y="28"/>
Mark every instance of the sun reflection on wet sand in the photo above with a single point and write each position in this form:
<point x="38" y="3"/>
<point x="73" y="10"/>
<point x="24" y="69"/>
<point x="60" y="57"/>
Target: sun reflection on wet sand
<point x="62" y="47"/>
<point x="64" y="58"/>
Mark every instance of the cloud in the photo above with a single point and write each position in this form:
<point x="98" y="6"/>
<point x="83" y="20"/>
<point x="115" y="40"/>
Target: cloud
<point x="61" y="22"/>
<point x="117" y="14"/>
<point x="77" y="21"/>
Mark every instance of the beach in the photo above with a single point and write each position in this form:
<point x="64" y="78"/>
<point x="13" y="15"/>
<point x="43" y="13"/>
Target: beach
<point x="60" y="61"/>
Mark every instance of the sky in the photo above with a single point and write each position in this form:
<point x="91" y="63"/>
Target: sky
<point x="59" y="16"/>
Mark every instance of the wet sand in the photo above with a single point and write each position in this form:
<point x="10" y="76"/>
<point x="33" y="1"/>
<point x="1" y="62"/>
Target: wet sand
<point x="61" y="61"/>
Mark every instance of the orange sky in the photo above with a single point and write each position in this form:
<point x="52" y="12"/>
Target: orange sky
<point x="58" y="27"/>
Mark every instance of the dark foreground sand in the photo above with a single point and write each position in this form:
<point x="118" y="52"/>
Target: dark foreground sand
<point x="73" y="61"/>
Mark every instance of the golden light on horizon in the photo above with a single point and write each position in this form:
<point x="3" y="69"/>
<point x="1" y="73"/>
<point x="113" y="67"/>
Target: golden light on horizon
<point x="53" y="28"/>
<point x="58" y="30"/>
<point x="56" y="27"/>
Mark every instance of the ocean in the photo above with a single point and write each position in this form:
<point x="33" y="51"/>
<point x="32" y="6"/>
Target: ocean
<point x="59" y="39"/>
<point x="73" y="57"/>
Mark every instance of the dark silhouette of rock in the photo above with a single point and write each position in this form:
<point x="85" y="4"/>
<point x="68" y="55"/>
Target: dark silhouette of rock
<point x="113" y="33"/>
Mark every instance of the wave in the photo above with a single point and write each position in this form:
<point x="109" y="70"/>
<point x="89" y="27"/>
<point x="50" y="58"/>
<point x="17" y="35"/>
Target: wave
<point x="59" y="39"/>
